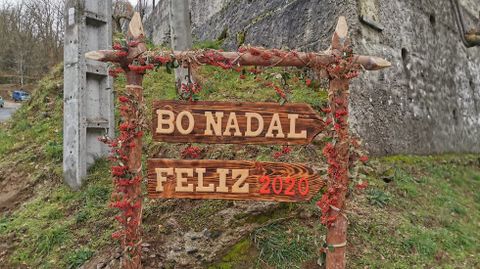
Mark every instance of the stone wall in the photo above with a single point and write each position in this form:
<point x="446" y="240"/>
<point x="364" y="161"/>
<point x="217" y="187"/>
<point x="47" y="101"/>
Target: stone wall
<point x="428" y="102"/>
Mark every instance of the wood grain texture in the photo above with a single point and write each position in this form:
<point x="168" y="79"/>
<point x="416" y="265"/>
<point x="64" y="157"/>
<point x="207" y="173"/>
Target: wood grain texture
<point x="307" y="120"/>
<point x="255" y="171"/>
<point x="340" y="36"/>
<point x="247" y="59"/>
<point x="337" y="232"/>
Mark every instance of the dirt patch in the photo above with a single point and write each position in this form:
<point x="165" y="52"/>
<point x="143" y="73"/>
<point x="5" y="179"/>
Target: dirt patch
<point x="15" y="188"/>
<point x="168" y="242"/>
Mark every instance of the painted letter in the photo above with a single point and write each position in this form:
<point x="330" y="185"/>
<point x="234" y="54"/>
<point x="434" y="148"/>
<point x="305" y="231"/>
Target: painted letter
<point x="232" y="123"/>
<point x="293" y="119"/>
<point x="161" y="178"/>
<point x="243" y="174"/>
<point x="249" y="131"/>
<point x="275" y="125"/>
<point x="222" y="174"/>
<point x="168" y="121"/>
<point x="217" y="125"/>
<point x="191" y="122"/>
<point x="182" y="180"/>
<point x="200" y="188"/>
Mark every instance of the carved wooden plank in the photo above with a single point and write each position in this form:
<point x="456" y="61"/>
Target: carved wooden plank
<point x="231" y="180"/>
<point x="234" y="123"/>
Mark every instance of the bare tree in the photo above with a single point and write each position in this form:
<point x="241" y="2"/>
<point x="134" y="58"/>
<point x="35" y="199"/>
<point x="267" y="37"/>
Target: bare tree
<point x="31" y="33"/>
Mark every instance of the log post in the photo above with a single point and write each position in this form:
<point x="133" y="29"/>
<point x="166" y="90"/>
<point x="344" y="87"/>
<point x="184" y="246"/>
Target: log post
<point x="133" y="237"/>
<point x="337" y="231"/>
<point x="338" y="180"/>
<point x="127" y="148"/>
<point x="132" y="255"/>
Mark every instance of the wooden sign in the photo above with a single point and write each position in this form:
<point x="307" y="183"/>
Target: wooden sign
<point x="234" y="123"/>
<point x="231" y="180"/>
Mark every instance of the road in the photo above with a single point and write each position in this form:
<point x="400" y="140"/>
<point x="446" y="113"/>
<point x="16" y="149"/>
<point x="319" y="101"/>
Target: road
<point x="7" y="111"/>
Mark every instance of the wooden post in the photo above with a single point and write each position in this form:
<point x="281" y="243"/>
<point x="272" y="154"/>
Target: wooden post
<point x="127" y="147"/>
<point x="337" y="232"/>
<point x="132" y="259"/>
<point x="338" y="180"/>
<point x="133" y="238"/>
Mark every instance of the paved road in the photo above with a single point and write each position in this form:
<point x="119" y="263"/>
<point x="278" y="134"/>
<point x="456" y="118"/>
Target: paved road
<point x="7" y="111"/>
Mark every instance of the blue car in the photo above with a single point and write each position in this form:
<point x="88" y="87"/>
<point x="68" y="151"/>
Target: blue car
<point x="19" y="96"/>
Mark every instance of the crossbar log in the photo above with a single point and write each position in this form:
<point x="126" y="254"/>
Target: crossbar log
<point x="289" y="58"/>
<point x="248" y="56"/>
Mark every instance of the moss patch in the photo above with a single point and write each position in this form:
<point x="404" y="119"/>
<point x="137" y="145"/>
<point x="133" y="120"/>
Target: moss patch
<point x="239" y="256"/>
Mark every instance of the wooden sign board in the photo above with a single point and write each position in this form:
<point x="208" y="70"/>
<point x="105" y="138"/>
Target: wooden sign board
<point x="234" y="123"/>
<point x="231" y="180"/>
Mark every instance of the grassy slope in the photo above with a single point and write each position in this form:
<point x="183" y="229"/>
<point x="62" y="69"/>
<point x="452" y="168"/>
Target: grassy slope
<point x="431" y="217"/>
<point x="427" y="215"/>
<point x="45" y="231"/>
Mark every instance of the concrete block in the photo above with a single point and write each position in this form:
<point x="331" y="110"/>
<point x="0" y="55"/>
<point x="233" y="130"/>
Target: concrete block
<point x="88" y="94"/>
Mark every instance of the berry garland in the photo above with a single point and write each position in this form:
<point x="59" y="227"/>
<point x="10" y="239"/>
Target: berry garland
<point x="126" y="181"/>
<point x="343" y="153"/>
<point x="344" y="66"/>
<point x="285" y="151"/>
<point x="191" y="152"/>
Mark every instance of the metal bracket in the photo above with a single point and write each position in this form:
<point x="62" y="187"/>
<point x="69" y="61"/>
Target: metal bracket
<point x="368" y="21"/>
<point x="469" y="38"/>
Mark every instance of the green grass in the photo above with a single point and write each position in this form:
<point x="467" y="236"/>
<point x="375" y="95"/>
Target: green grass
<point x="38" y="123"/>
<point x="77" y="258"/>
<point x="208" y="44"/>
<point x="378" y="197"/>
<point x="431" y="220"/>
<point x="56" y="228"/>
<point x="222" y="85"/>
<point x="426" y="216"/>
<point x="7" y="141"/>
<point x="287" y="245"/>
<point x="58" y="222"/>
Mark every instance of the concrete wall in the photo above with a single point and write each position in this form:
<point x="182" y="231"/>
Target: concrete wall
<point x="88" y="96"/>
<point x="428" y="102"/>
